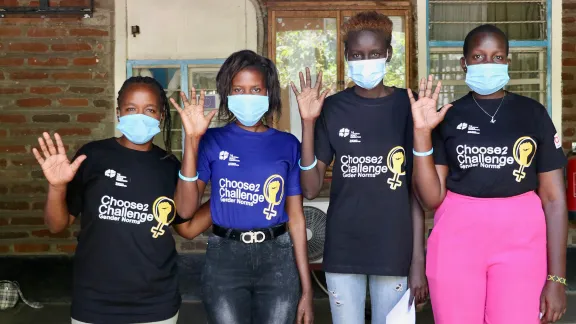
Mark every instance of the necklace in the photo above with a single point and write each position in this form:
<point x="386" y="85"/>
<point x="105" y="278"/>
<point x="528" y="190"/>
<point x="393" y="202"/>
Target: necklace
<point x="492" y="120"/>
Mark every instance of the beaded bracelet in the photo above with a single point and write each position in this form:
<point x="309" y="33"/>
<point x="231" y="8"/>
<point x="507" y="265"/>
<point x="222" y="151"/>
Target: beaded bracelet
<point x="557" y="279"/>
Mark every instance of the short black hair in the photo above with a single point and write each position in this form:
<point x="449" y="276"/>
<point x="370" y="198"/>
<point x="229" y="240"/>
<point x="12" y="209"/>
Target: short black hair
<point x="162" y="100"/>
<point x="488" y="29"/>
<point x="368" y="20"/>
<point x="237" y="62"/>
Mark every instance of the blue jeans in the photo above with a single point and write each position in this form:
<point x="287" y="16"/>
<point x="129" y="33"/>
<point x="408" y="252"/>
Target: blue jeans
<point x="250" y="283"/>
<point x="347" y="294"/>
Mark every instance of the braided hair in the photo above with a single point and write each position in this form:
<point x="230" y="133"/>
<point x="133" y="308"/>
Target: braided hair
<point x="162" y="100"/>
<point x="237" y="62"/>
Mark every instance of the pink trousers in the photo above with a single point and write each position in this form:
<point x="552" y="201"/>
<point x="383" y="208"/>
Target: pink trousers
<point x="486" y="260"/>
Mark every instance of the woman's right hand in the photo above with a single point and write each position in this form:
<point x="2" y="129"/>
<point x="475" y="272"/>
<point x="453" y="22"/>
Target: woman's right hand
<point x="193" y="119"/>
<point x="424" y="110"/>
<point x="57" y="168"/>
<point x="310" y="100"/>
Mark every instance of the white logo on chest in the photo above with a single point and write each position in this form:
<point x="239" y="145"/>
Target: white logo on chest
<point x="120" y="180"/>
<point x="232" y="159"/>
<point x="352" y="136"/>
<point x="471" y="129"/>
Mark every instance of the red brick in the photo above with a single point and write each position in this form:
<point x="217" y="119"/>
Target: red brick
<point x="12" y="235"/>
<point x="103" y="103"/>
<point x="568" y="19"/>
<point x="1" y="73"/>
<point x="31" y="248"/>
<point x="74" y="3"/>
<point x="28" y="75"/>
<point x="78" y="47"/>
<point x="46" y="233"/>
<point x="3" y="221"/>
<point x="15" y="119"/>
<point x="46" y="32"/>
<point x="10" y="31"/>
<point x="9" y="3"/>
<point x="45" y="90"/>
<point x="88" y="32"/>
<point x="568" y="33"/>
<point x="569" y="132"/>
<point x="28" y="47"/>
<point x="66" y="248"/>
<point x="567" y="103"/>
<point x="23" y="21"/>
<point x="30" y="161"/>
<point x="4" y="248"/>
<point x="567" y="76"/>
<point x="567" y="47"/>
<point x="3" y="163"/>
<point x="3" y="190"/>
<point x="13" y="149"/>
<point x="568" y="90"/>
<point x="74" y="131"/>
<point x="7" y="91"/>
<point x="3" y="133"/>
<point x="51" y="118"/>
<point x="27" y="221"/>
<point x="74" y="102"/>
<point x="27" y="132"/>
<point x="38" y="205"/>
<point x="53" y="61"/>
<point x="33" y="102"/>
<point x="85" y="61"/>
<point x="90" y="118"/>
<point x="11" y="61"/>
<point x="28" y="189"/>
<point x="566" y="5"/>
<point x="14" y="205"/>
<point x="72" y="76"/>
<point x="86" y="90"/>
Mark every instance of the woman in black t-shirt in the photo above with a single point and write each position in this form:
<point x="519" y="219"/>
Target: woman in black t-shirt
<point x="375" y="229"/>
<point x="497" y="253"/>
<point x="125" y="263"/>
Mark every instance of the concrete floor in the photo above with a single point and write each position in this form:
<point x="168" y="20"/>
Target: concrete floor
<point x="193" y="312"/>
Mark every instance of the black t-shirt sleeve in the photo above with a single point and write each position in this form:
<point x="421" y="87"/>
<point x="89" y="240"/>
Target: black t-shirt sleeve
<point x="440" y="157"/>
<point x="322" y="147"/>
<point x="75" y="188"/>
<point x="550" y="155"/>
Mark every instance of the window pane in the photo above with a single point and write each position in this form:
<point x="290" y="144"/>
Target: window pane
<point x="527" y="73"/>
<point x="396" y="68"/>
<point x="519" y="20"/>
<point x="300" y="43"/>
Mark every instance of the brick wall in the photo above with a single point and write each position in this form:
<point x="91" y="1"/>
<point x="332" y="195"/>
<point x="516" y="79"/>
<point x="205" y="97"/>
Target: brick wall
<point x="56" y="74"/>
<point x="569" y="84"/>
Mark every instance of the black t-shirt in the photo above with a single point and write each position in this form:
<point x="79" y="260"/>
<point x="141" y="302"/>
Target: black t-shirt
<point x="500" y="159"/>
<point x="369" y="226"/>
<point x="125" y="264"/>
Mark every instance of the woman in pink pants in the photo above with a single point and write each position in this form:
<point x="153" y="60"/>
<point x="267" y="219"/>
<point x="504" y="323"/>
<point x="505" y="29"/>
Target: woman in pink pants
<point x="492" y="169"/>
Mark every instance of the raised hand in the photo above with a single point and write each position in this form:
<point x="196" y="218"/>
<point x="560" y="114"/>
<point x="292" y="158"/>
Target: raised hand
<point x="424" y="112"/>
<point x="57" y="168"/>
<point x="193" y="119"/>
<point x="310" y="99"/>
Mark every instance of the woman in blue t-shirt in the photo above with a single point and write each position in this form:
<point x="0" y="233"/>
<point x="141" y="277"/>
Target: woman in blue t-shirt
<point x="252" y="267"/>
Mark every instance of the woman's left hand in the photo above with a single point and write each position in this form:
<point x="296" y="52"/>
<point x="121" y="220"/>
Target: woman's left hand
<point x="305" y="313"/>
<point x="417" y="283"/>
<point x="553" y="302"/>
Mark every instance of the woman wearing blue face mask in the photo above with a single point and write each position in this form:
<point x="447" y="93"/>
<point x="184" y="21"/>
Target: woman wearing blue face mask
<point x="375" y="229"/>
<point x="122" y="189"/>
<point x="492" y="169"/>
<point x="256" y="262"/>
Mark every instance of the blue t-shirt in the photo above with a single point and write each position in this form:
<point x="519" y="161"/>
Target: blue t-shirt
<point x="251" y="174"/>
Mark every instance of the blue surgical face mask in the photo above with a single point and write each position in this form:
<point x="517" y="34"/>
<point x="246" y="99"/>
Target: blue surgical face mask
<point x="486" y="79"/>
<point x="248" y="109"/>
<point x="138" y="128"/>
<point x="367" y="74"/>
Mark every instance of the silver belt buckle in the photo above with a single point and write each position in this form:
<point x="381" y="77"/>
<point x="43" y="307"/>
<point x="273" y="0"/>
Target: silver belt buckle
<point x="253" y="237"/>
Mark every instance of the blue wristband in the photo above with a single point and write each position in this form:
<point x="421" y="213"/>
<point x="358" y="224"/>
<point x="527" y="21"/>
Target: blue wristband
<point x="423" y="153"/>
<point x="310" y="167"/>
<point x="188" y="179"/>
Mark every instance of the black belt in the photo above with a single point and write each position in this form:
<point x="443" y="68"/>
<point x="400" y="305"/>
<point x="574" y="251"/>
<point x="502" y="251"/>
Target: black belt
<point x="252" y="236"/>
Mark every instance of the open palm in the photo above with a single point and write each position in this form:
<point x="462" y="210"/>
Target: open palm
<point x="55" y="164"/>
<point x="310" y="100"/>
<point x="193" y="119"/>
<point x="424" y="110"/>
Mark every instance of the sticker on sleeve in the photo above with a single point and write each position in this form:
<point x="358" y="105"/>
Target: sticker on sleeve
<point x="557" y="142"/>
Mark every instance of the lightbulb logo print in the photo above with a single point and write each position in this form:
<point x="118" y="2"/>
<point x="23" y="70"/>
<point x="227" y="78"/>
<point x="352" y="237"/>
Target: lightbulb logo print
<point x="396" y="162"/>
<point x="524" y="152"/>
<point x="164" y="211"/>
<point x="273" y="191"/>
